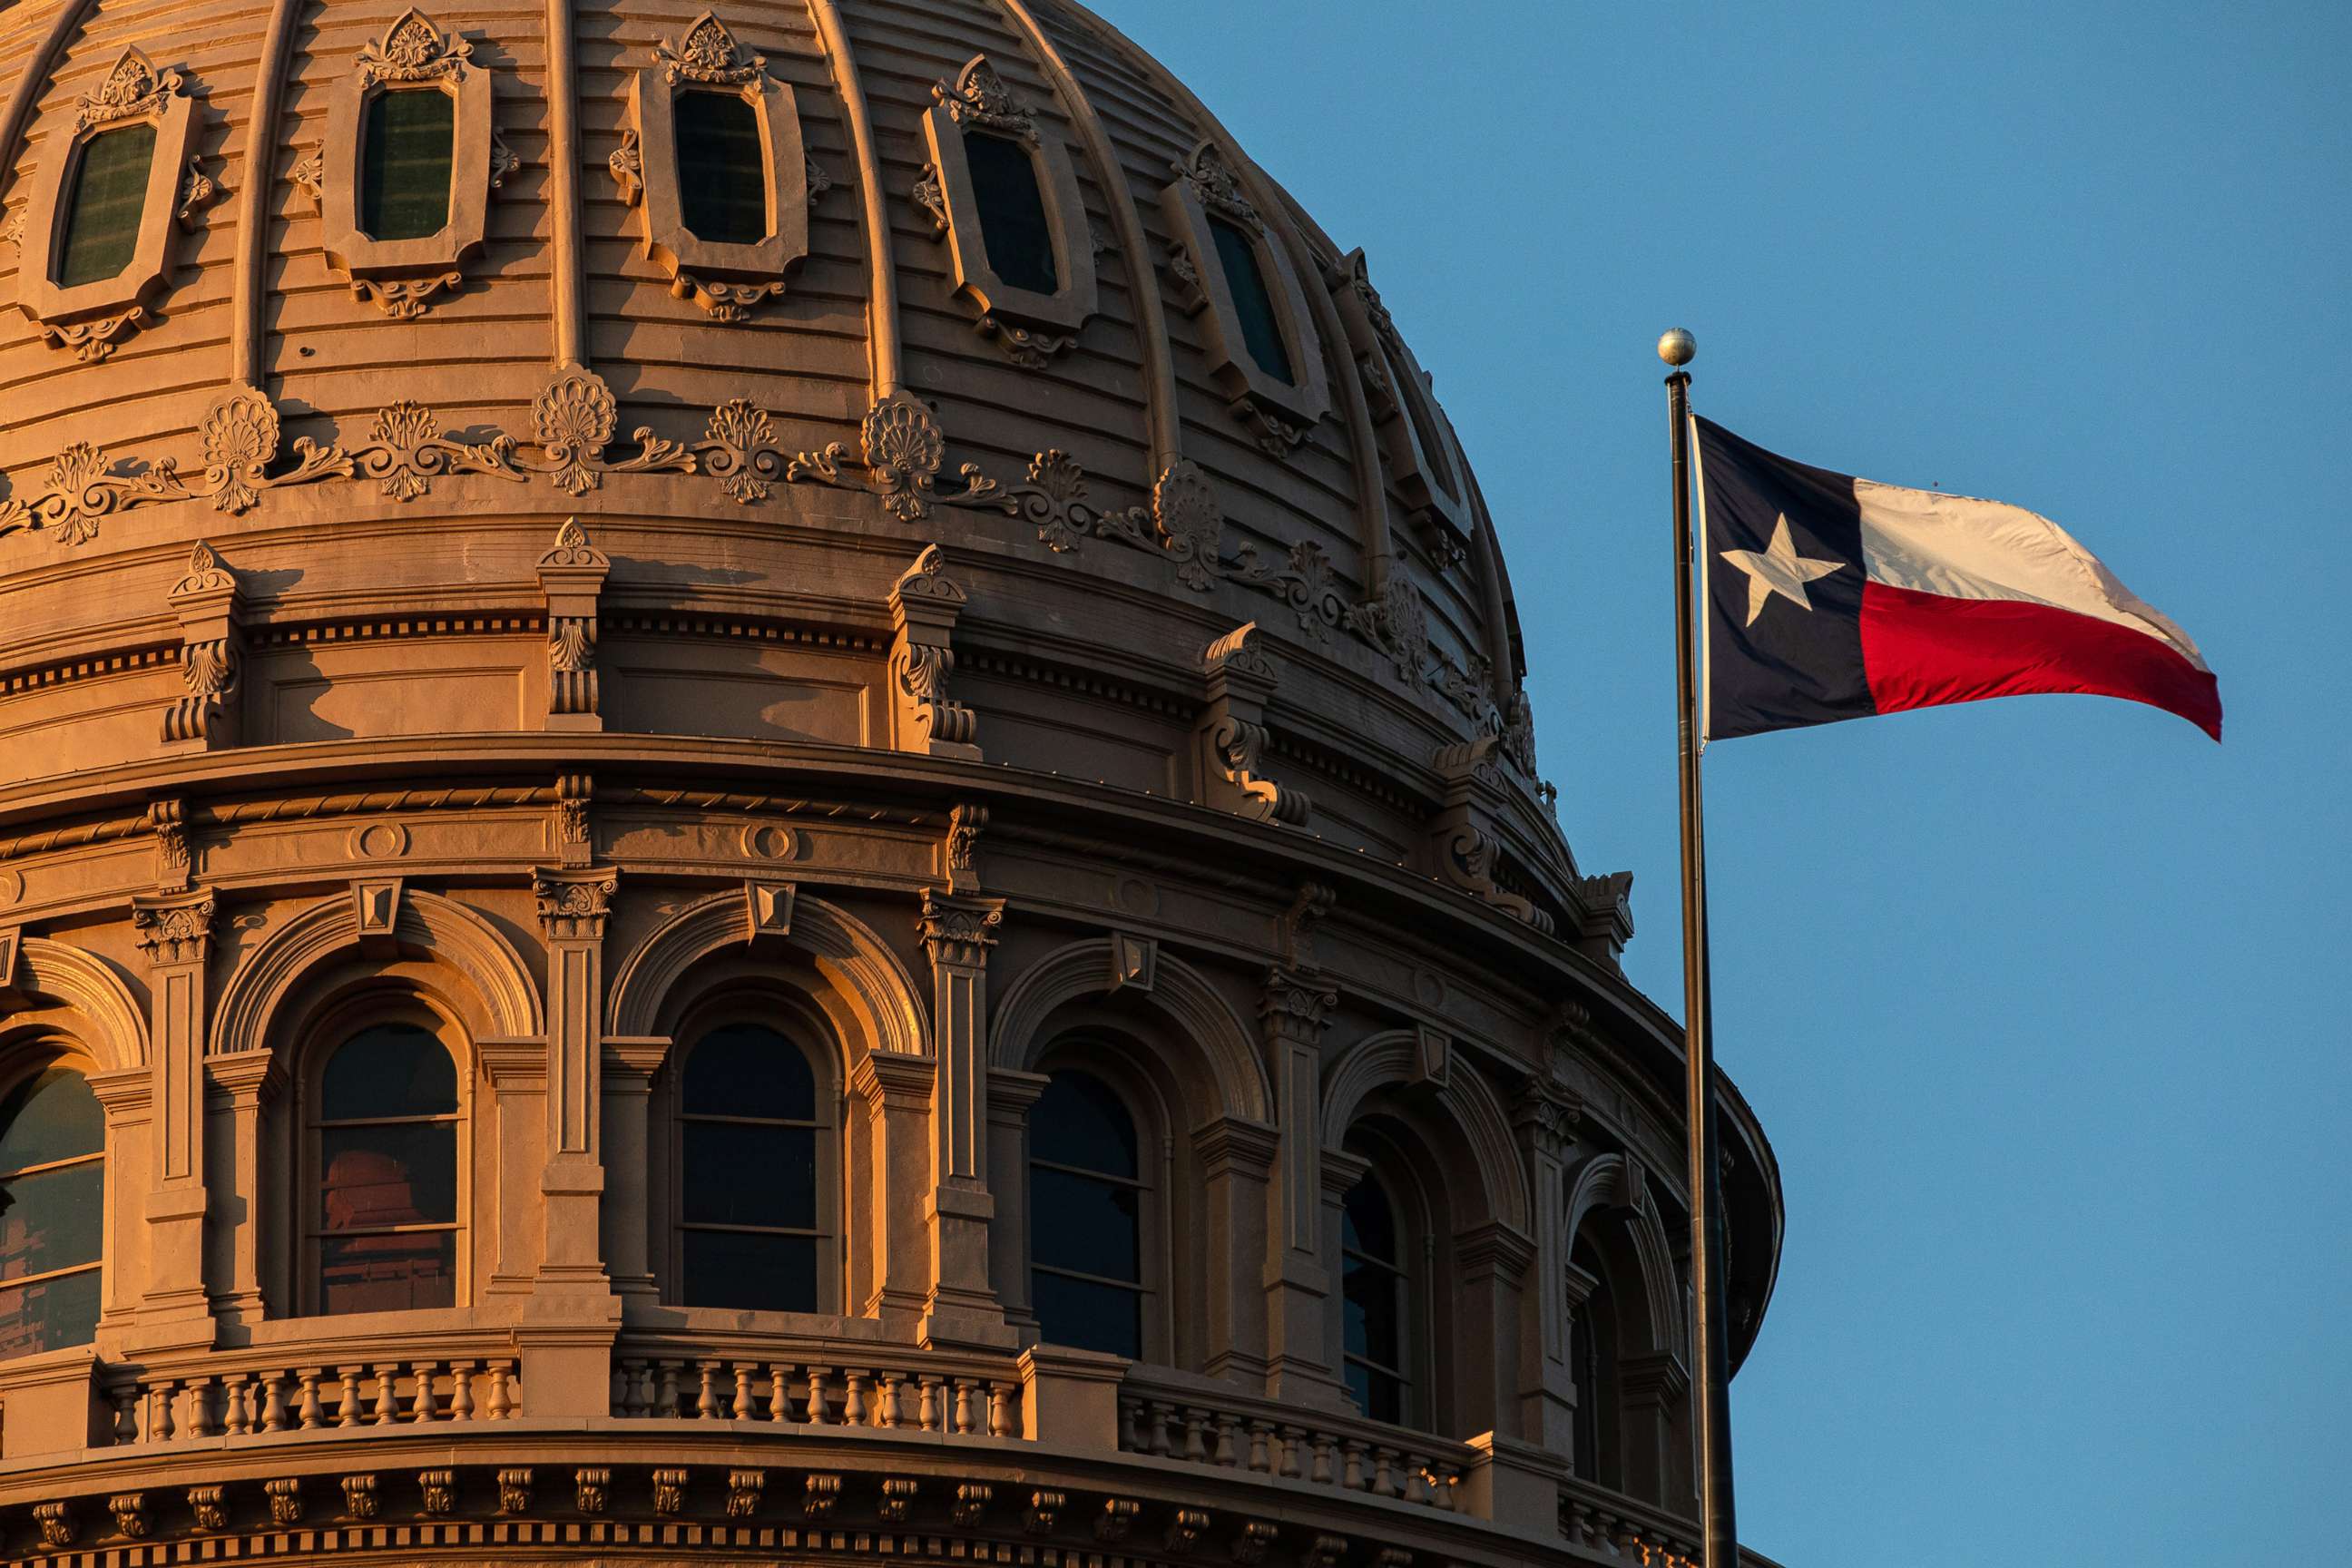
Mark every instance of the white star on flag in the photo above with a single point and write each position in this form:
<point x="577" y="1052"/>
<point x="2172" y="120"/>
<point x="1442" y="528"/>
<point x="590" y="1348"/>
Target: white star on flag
<point x="1779" y="569"/>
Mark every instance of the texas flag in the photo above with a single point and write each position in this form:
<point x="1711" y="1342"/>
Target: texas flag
<point x="1832" y="597"/>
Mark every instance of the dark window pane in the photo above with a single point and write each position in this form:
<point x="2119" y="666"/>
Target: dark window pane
<point x="722" y="170"/>
<point x="1253" y="301"/>
<point x="50" y="1116"/>
<point x="1012" y="212"/>
<point x="109" y="198"/>
<point x="744" y="1069"/>
<point x="738" y="1174"/>
<point x="392" y="1069"/>
<point x="1415" y="393"/>
<point x="1077" y="1222"/>
<point x="388" y="1175"/>
<point x="1088" y="1315"/>
<point x="406" y="145"/>
<point x="1373" y="1312"/>
<point x="1367" y="1224"/>
<point x="772" y="1273"/>
<point x="1380" y="1395"/>
<point x="52" y="1220"/>
<point x="1078" y="1122"/>
<point x="387" y="1273"/>
<point x="50" y="1315"/>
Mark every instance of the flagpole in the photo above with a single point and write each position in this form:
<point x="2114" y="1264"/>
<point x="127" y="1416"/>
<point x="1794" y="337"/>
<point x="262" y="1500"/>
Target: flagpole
<point x="1710" y="1346"/>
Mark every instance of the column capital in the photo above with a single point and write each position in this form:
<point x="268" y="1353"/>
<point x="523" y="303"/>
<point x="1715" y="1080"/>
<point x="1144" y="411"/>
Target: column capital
<point x="1230" y="1144"/>
<point x="173" y="929"/>
<point x="249" y="1076"/>
<point x="1295" y="1003"/>
<point x="1546" y="1115"/>
<point x="572" y="904"/>
<point x="959" y="928"/>
<point x="896" y="1079"/>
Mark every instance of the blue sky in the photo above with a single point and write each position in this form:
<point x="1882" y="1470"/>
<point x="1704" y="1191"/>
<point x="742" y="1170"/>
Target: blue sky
<point x="2036" y="998"/>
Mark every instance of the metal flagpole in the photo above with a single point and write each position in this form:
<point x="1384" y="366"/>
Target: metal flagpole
<point x="1710" y="1338"/>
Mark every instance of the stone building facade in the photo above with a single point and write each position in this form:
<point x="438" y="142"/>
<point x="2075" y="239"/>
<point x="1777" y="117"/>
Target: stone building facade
<point x="765" y="791"/>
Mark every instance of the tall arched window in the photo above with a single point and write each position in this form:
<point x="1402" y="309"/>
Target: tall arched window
<point x="1253" y="299"/>
<point x="753" y="1174"/>
<point x="1377" y="1290"/>
<point x="52" y="1203"/>
<point x="1013" y="221"/>
<point x="387" y="1227"/>
<point x="1087" y="1191"/>
<point x="1592" y="1362"/>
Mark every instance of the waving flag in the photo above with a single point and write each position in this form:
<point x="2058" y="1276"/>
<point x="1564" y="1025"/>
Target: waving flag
<point x="1833" y="597"/>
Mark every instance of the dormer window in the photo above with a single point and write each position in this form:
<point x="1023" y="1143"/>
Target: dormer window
<point x="720" y="184"/>
<point x="1253" y="301"/>
<point x="408" y="141"/>
<point x="110" y="188"/>
<point x="1001" y="193"/>
<point x="1418" y="447"/>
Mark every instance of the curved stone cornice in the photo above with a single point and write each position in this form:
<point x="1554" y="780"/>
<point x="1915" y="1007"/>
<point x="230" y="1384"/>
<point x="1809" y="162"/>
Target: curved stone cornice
<point x="90" y="986"/>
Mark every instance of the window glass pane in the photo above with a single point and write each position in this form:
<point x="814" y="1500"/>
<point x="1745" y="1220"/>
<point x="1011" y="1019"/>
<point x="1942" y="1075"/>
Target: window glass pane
<point x="407" y="143"/>
<point x="1077" y="1222"/>
<point x="744" y="1069"/>
<point x="770" y="1273"/>
<point x="392" y="1069"/>
<point x="722" y="169"/>
<point x="1380" y="1395"/>
<point x="1088" y="1315"/>
<point x="1079" y="1121"/>
<point x="50" y="1315"/>
<point x="738" y="1174"/>
<point x="52" y="1219"/>
<point x="1253" y="299"/>
<point x="109" y="198"/>
<point x="387" y="1273"/>
<point x="388" y="1175"/>
<point x="1367" y="1224"/>
<point x="50" y="1116"/>
<point x="1012" y="212"/>
<point x="1374" y="1330"/>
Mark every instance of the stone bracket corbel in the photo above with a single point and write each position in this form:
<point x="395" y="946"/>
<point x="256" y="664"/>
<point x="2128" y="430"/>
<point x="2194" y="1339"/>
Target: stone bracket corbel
<point x="924" y="604"/>
<point x="376" y="901"/>
<point x="1238" y="678"/>
<point x="1461" y="835"/>
<point x="571" y="578"/>
<point x="212" y="655"/>
<point x="768" y="914"/>
<point x="1605" y="915"/>
<point x="1134" y="962"/>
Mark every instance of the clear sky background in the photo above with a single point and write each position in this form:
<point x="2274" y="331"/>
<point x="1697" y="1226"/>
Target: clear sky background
<point x="2040" y="999"/>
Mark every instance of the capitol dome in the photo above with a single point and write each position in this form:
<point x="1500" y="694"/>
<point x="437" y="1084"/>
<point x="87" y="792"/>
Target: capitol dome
<point x="764" y="784"/>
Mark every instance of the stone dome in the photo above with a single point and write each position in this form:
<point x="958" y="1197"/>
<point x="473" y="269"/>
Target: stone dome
<point x="550" y="535"/>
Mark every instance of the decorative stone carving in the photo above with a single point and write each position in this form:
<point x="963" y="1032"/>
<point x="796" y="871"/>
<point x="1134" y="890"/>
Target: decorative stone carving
<point x="1294" y="1004"/>
<point x="768" y="908"/>
<point x="743" y="1489"/>
<point x="818" y="1495"/>
<point x="514" y="1490"/>
<point x="729" y="279"/>
<point x="1462" y="834"/>
<point x="972" y="1499"/>
<point x="1294" y="931"/>
<point x="591" y="1490"/>
<point x="670" y="1491"/>
<point x="924" y="604"/>
<point x="1324" y="1552"/>
<point x="897" y="1503"/>
<point x="205" y="599"/>
<point x="573" y="418"/>
<point x="1397" y="622"/>
<point x="1043" y="1510"/>
<point x="1519" y="732"/>
<point x="173" y="929"/>
<point x="1239" y="681"/>
<point x="285" y="1496"/>
<point x="965" y="824"/>
<point x="438" y="1489"/>
<point x="1606" y="919"/>
<point x="359" y="1497"/>
<point x="206" y="1504"/>
<point x="1117" y="1518"/>
<point x="1185" y="1528"/>
<point x="957" y="929"/>
<point x="572" y="904"/>
<point x="166" y="818"/>
<point x="88" y="319"/>
<point x="574" y="794"/>
<point x="571" y="577"/>
<point x="1134" y="962"/>
<point x="130" y="1512"/>
<point x="54" y="1521"/>
<point x="1250" y="1545"/>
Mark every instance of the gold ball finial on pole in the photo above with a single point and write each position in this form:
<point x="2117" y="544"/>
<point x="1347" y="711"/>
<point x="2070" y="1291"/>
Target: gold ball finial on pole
<point x="1677" y="347"/>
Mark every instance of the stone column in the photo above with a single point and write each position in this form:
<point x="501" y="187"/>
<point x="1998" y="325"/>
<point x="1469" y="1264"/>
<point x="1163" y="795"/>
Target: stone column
<point x="1291" y="1015"/>
<point x="629" y="1068"/>
<point x="239" y="1090"/>
<point x="896" y="1088"/>
<point x="1010" y="1096"/>
<point x="572" y="908"/>
<point x="516" y="1124"/>
<point x="1543" y="1117"/>
<point x="958" y="931"/>
<point x="1236" y="1162"/>
<point x="175" y="931"/>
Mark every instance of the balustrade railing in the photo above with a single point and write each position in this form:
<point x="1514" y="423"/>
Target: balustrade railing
<point x="213" y="1402"/>
<point x="902" y="1390"/>
<point x="1205" y="1423"/>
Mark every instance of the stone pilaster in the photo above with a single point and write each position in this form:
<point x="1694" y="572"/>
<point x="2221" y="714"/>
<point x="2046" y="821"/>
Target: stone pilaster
<point x="1293" y="1012"/>
<point x="175" y="931"/>
<point x="958" y="931"/>
<point x="1010" y="1096"/>
<point x="127" y="1099"/>
<point x="239" y="1089"/>
<point x="896" y="1088"/>
<point x="204" y="716"/>
<point x="629" y="1066"/>
<point x="1544" y="1117"/>
<point x="572" y="909"/>
<point x="1490" y="1268"/>
<point x="571" y="578"/>
<point x="515" y="1118"/>
<point x="1236" y="1159"/>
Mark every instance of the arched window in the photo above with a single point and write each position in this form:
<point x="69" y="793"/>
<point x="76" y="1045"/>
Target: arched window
<point x="1377" y="1290"/>
<point x="1592" y="1362"/>
<point x="1013" y="221"/>
<point x="408" y="144"/>
<point x="1087" y="1193"/>
<point x="1253" y="299"/>
<point x="387" y="1228"/>
<point x="52" y="1203"/>
<point x="753" y="1174"/>
<point x="107" y="200"/>
<point x="722" y="179"/>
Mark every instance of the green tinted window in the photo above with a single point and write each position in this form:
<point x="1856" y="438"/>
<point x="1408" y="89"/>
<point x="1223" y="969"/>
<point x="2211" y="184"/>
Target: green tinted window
<point x="406" y="145"/>
<point x="1012" y="212"/>
<point x="1253" y="301"/>
<point x="109" y="197"/>
<point x="722" y="177"/>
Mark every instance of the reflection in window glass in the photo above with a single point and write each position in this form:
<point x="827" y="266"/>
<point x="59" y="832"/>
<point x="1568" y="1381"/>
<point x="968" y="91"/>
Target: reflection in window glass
<point x="1086" y="1205"/>
<point x="1372" y="1281"/>
<point x="748" y="1137"/>
<point x="103" y="209"/>
<point x="1592" y="1362"/>
<point x="1012" y="212"/>
<point x="407" y="143"/>
<point x="722" y="169"/>
<point x="1253" y="299"/>
<point x="52" y="1202"/>
<point x="386" y="1137"/>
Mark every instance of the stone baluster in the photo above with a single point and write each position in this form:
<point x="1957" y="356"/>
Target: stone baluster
<point x="424" y="1407"/>
<point x="347" y="1400"/>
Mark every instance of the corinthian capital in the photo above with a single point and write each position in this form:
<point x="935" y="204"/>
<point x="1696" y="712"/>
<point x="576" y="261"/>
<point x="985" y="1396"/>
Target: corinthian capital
<point x="572" y="904"/>
<point x="959" y="928"/>
<point x="173" y="928"/>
